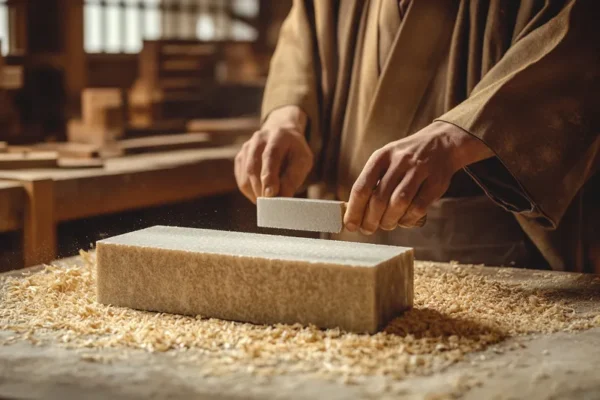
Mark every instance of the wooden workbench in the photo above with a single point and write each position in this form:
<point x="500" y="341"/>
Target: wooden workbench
<point x="37" y="200"/>
<point x="552" y="366"/>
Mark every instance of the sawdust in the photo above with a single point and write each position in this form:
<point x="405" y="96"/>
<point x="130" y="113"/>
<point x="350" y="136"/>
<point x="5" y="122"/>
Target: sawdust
<point x="456" y="313"/>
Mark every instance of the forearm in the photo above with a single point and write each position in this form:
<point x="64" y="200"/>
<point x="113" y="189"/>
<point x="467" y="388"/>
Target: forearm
<point x="289" y="117"/>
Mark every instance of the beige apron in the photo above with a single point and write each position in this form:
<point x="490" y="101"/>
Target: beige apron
<point x="470" y="230"/>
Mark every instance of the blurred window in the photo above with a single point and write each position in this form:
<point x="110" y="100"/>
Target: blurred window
<point x="120" y="26"/>
<point x="4" y="26"/>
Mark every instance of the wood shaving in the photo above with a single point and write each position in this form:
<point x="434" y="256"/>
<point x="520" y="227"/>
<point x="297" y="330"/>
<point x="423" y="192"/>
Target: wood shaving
<point x="456" y="313"/>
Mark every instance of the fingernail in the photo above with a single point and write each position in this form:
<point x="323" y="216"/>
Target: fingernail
<point x="269" y="192"/>
<point x="366" y="231"/>
<point x="351" y="227"/>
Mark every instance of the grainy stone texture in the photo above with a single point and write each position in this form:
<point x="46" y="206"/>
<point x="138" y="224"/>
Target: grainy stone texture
<point x="254" y="278"/>
<point x="301" y="214"/>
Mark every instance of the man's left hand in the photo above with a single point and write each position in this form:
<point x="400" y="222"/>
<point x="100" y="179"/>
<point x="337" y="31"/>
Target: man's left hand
<point x="404" y="177"/>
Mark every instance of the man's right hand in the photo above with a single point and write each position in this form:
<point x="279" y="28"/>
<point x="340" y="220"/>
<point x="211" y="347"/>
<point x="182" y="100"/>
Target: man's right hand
<point x="277" y="159"/>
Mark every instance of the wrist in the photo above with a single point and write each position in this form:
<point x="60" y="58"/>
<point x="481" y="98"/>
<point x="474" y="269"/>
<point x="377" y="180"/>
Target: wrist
<point x="473" y="150"/>
<point x="291" y="117"/>
<point x="468" y="149"/>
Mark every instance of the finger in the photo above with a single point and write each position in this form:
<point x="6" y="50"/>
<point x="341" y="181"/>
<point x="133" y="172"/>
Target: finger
<point x="402" y="197"/>
<point x="240" y="175"/>
<point x="254" y="165"/>
<point x="380" y="198"/>
<point x="237" y="173"/>
<point x="362" y="189"/>
<point x="296" y="169"/>
<point x="272" y="159"/>
<point x="430" y="191"/>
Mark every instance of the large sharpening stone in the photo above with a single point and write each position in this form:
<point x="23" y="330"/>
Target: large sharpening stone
<point x="263" y="279"/>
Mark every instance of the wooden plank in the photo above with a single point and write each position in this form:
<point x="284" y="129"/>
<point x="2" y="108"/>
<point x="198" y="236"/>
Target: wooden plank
<point x="156" y="128"/>
<point x="80" y="162"/>
<point x="181" y="65"/>
<point x="12" y="77"/>
<point x="28" y="160"/>
<point x="111" y="193"/>
<point x="78" y="132"/>
<point x="103" y="108"/>
<point x="39" y="230"/>
<point x="177" y="101"/>
<point x="3" y="147"/>
<point x="19" y="149"/>
<point x="164" y="143"/>
<point x="193" y="48"/>
<point x="12" y="204"/>
<point x="242" y="125"/>
<point x="71" y="149"/>
<point x="226" y="131"/>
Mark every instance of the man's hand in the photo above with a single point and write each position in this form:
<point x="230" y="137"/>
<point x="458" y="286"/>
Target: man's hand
<point x="277" y="159"/>
<point x="403" y="178"/>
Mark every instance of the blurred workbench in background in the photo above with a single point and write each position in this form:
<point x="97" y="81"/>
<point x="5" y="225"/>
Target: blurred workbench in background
<point x="35" y="201"/>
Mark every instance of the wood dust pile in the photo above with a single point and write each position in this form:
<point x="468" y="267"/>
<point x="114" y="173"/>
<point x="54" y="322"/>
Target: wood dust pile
<point x="455" y="313"/>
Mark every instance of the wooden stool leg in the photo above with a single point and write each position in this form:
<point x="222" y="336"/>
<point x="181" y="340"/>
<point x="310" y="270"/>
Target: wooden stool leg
<point x="39" y="230"/>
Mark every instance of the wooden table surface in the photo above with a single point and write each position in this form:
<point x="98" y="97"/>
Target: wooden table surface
<point x="37" y="200"/>
<point x="116" y="187"/>
<point x="550" y="366"/>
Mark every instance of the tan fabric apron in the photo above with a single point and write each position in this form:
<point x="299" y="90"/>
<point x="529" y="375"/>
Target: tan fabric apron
<point x="470" y="230"/>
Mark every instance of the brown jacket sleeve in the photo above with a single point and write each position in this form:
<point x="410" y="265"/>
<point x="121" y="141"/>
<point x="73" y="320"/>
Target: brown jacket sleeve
<point x="537" y="109"/>
<point x="293" y="73"/>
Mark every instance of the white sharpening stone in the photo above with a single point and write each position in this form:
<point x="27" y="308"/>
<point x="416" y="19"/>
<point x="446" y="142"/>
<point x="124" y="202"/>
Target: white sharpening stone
<point x="262" y="279"/>
<point x="300" y="214"/>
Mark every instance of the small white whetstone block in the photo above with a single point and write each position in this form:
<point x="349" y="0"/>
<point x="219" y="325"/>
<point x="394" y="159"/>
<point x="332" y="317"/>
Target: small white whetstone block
<point x="263" y="279"/>
<point x="300" y="214"/>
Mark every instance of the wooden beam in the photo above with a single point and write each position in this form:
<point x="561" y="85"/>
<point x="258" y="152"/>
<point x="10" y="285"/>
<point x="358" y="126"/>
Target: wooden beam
<point x="75" y="65"/>
<point x="28" y="160"/>
<point x="71" y="149"/>
<point x="39" y="230"/>
<point x="165" y="143"/>
<point x="78" y="132"/>
<point x="74" y="163"/>
<point x="103" y="108"/>
<point x="17" y="24"/>
<point x="12" y="205"/>
<point x="242" y="125"/>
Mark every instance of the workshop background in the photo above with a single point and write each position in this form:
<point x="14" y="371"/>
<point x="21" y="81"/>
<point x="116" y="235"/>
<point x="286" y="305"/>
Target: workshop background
<point x="122" y="114"/>
<point x="116" y="115"/>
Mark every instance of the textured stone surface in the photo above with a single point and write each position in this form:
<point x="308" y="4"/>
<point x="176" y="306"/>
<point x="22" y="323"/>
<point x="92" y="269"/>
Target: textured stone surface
<point x="255" y="278"/>
<point x="301" y="214"/>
